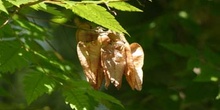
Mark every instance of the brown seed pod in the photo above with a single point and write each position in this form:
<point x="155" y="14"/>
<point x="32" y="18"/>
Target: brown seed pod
<point x="138" y="61"/>
<point x="113" y="62"/>
<point x="108" y="54"/>
<point x="88" y="50"/>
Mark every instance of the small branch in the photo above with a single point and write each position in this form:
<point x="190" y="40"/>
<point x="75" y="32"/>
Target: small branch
<point x="8" y="19"/>
<point x="6" y="22"/>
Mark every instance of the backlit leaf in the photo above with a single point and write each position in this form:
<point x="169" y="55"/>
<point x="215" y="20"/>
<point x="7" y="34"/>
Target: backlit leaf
<point x="2" y="7"/>
<point x="46" y="8"/>
<point x="96" y="14"/>
<point x="36" y="84"/>
<point x="20" y="2"/>
<point x="77" y="99"/>
<point x="29" y="29"/>
<point x="123" y="6"/>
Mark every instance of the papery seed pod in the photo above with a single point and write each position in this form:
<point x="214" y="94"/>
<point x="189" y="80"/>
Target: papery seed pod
<point x="88" y="50"/>
<point x="108" y="54"/>
<point x="130" y="71"/>
<point x="133" y="70"/>
<point x="113" y="61"/>
<point x="138" y="61"/>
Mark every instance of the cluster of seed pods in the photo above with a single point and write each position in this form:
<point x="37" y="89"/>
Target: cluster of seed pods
<point x="106" y="56"/>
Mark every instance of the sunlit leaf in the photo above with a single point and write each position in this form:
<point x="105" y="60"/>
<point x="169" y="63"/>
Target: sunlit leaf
<point x="123" y="6"/>
<point x="96" y="14"/>
<point x="20" y="2"/>
<point x="2" y="7"/>
<point x="29" y="29"/>
<point x="36" y="84"/>
<point x="77" y="99"/>
<point x="46" y="8"/>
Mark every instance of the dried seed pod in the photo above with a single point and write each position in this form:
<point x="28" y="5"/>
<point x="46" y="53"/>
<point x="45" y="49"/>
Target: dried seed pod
<point x="138" y="61"/>
<point x="113" y="61"/>
<point x="127" y="54"/>
<point x="108" y="54"/>
<point x="130" y="71"/>
<point x="88" y="50"/>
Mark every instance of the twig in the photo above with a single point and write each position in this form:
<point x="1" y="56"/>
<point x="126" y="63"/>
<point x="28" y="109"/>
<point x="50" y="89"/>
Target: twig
<point x="6" y="22"/>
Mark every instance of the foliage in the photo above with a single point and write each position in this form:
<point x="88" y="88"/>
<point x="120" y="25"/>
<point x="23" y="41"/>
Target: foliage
<point x="180" y="40"/>
<point x="24" y="43"/>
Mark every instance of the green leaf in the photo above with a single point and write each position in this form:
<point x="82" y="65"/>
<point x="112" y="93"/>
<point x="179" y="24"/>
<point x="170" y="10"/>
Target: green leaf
<point x="48" y="61"/>
<point x="46" y="8"/>
<point x="2" y="7"/>
<point x="182" y="50"/>
<point x="211" y="56"/>
<point x="77" y="99"/>
<point x="20" y="2"/>
<point x="207" y="74"/>
<point x="6" y="30"/>
<point x="193" y="62"/>
<point x="96" y="14"/>
<point x="30" y="30"/>
<point x="12" y="56"/>
<point x="36" y="84"/>
<point x="123" y="6"/>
